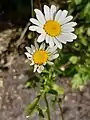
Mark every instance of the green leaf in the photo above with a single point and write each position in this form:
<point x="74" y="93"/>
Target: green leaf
<point x="85" y="12"/>
<point x="88" y="31"/>
<point x="73" y="59"/>
<point x="31" y="108"/>
<point x="87" y="9"/>
<point x="41" y="114"/>
<point x="76" y="81"/>
<point x="77" y="1"/>
<point x="58" y="89"/>
<point x="28" y="84"/>
<point x="52" y="91"/>
<point x="84" y="40"/>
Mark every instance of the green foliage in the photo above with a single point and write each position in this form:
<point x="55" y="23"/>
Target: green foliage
<point x="77" y="1"/>
<point x="85" y="13"/>
<point x="73" y="60"/>
<point x="58" y="89"/>
<point x="34" y="107"/>
<point x="46" y="85"/>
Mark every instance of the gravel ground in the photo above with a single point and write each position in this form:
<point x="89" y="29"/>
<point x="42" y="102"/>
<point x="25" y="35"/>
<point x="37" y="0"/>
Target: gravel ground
<point x="14" y="97"/>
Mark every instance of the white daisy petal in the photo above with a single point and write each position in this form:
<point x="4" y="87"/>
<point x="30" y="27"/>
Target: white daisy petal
<point x="47" y="38"/>
<point x="54" y="52"/>
<point x="67" y="19"/>
<point x="70" y="24"/>
<point x="61" y="39"/>
<point x="63" y="15"/>
<point x="67" y="30"/>
<point x="70" y="40"/>
<point x="44" y="63"/>
<point x="51" y="50"/>
<point x="58" y="44"/>
<point x="66" y="36"/>
<point x="32" y="63"/>
<point x="50" y="63"/>
<point x="53" y="57"/>
<point x="70" y="35"/>
<point x="52" y="11"/>
<point x="48" y="48"/>
<point x="51" y="42"/>
<point x="35" y="68"/>
<point x="40" y="69"/>
<point x="28" y="55"/>
<point x="40" y="30"/>
<point x="33" y="48"/>
<point x="36" y="22"/>
<point x="41" y="38"/>
<point x="33" y="28"/>
<point x="42" y="46"/>
<point x="40" y="16"/>
<point x="36" y="45"/>
<point x="47" y="12"/>
<point x="29" y="50"/>
<point x="58" y="14"/>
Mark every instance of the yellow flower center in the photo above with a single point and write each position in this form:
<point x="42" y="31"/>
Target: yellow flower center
<point x="40" y="57"/>
<point x="52" y="28"/>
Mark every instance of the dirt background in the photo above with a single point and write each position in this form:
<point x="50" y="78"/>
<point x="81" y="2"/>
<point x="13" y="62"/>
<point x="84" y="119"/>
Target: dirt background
<point x="14" y="71"/>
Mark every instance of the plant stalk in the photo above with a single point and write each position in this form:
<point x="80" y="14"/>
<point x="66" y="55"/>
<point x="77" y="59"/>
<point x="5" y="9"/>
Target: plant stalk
<point x="48" y="111"/>
<point x="61" y="112"/>
<point x="32" y="8"/>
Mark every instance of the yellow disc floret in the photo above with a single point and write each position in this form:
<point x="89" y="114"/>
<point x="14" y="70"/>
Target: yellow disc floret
<point x="40" y="57"/>
<point x="52" y="28"/>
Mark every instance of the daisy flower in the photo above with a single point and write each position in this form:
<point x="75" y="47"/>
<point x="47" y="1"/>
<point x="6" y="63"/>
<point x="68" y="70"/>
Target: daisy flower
<point x="54" y="26"/>
<point x="39" y="56"/>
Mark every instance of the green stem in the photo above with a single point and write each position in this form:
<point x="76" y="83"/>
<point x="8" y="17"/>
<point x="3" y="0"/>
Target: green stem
<point x="62" y="117"/>
<point x="48" y="111"/>
<point x="32" y="14"/>
<point x="32" y="8"/>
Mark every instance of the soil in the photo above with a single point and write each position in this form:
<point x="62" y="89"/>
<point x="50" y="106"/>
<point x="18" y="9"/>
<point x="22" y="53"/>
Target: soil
<point x="14" y="72"/>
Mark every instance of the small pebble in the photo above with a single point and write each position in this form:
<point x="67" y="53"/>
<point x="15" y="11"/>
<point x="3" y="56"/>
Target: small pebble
<point x="14" y="70"/>
<point x="81" y="88"/>
<point x="2" y="61"/>
<point x="73" y="101"/>
<point x="21" y="76"/>
<point x="19" y="98"/>
<point x="27" y="116"/>
<point x="1" y="83"/>
<point x="14" y="77"/>
<point x="66" y="98"/>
